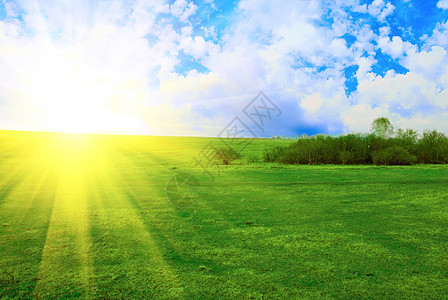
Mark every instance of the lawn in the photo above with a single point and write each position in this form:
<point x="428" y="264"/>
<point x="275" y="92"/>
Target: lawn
<point x="89" y="216"/>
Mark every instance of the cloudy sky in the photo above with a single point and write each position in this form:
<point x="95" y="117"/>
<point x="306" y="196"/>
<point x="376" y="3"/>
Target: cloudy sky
<point x="186" y="67"/>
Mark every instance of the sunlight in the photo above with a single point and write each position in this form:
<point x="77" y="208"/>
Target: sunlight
<point x="68" y="243"/>
<point x="71" y="96"/>
<point x="73" y="87"/>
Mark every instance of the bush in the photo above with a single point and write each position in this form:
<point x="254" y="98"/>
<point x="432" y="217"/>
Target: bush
<point x="253" y="158"/>
<point x="294" y="155"/>
<point x="274" y="154"/>
<point x="381" y="147"/>
<point x="393" y="156"/>
<point x="227" y="155"/>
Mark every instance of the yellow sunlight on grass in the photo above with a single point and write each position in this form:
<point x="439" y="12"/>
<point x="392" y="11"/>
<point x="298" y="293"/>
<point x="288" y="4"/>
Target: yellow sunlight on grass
<point x="68" y="244"/>
<point x="87" y="180"/>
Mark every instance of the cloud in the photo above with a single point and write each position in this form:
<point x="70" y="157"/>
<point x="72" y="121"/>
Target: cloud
<point x="443" y="4"/>
<point x="113" y="67"/>
<point x="428" y="63"/>
<point x="439" y="36"/>
<point x="359" y="117"/>
<point x="395" y="47"/>
<point x="183" y="9"/>
<point x="380" y="9"/>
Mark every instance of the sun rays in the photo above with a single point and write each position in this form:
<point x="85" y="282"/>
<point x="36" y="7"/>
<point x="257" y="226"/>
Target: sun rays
<point x="68" y="247"/>
<point x="91" y="212"/>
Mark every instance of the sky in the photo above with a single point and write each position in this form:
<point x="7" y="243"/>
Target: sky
<point x="189" y="68"/>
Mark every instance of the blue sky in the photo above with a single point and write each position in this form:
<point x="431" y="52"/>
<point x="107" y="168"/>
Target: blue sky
<point x="184" y="67"/>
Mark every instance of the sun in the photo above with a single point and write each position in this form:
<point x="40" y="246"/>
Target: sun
<point x="69" y="93"/>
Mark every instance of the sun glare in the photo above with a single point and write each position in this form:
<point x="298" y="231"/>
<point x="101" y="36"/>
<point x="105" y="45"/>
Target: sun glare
<point x="68" y="89"/>
<point x="72" y="100"/>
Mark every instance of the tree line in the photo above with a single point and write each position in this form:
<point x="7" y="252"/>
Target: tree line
<point x="381" y="146"/>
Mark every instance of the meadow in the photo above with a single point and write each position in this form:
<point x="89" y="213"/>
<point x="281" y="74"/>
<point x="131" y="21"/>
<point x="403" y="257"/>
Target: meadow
<point x="89" y="216"/>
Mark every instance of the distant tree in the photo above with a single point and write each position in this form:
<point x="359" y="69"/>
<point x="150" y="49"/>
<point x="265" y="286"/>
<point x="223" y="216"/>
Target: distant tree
<point x="433" y="147"/>
<point x="408" y="135"/>
<point x="382" y="127"/>
<point x="407" y="139"/>
<point x="227" y="155"/>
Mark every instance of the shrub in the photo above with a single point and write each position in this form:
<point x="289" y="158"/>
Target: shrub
<point x="383" y="146"/>
<point x="227" y="155"/>
<point x="393" y="156"/>
<point x="357" y="144"/>
<point x="292" y="155"/>
<point x="253" y="158"/>
<point x="274" y="154"/>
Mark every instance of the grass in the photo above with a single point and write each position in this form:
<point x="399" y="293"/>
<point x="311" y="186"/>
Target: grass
<point x="87" y="216"/>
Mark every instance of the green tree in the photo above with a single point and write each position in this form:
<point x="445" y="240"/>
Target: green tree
<point x="433" y="147"/>
<point x="407" y="139"/>
<point x="382" y="127"/>
<point x="227" y="155"/>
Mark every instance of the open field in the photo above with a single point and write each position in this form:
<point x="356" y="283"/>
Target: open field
<point x="87" y="216"/>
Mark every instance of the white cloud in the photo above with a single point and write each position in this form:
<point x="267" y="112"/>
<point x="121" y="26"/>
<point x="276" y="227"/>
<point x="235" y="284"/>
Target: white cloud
<point x="246" y="64"/>
<point x="444" y="78"/>
<point x="396" y="48"/>
<point x="198" y="47"/>
<point x="106" y="73"/>
<point x="183" y="9"/>
<point x="212" y="3"/>
<point x="439" y="36"/>
<point x="443" y="4"/>
<point x="406" y="99"/>
<point x="380" y="9"/>
<point x="312" y="103"/>
<point x="430" y="64"/>
<point x="359" y="117"/>
<point x="338" y="47"/>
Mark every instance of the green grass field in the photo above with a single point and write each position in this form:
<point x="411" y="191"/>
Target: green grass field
<point x="87" y="216"/>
